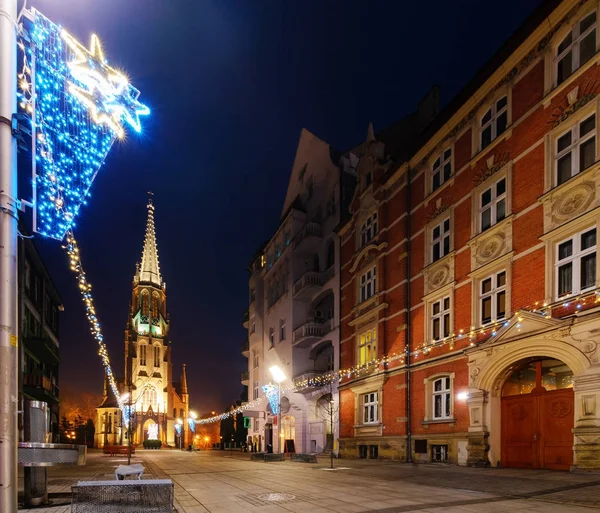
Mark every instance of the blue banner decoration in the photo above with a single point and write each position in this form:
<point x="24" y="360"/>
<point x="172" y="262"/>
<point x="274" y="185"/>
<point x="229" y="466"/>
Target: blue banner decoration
<point x="272" y="395"/>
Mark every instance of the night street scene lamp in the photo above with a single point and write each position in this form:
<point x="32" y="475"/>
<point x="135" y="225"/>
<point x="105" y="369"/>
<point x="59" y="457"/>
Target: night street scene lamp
<point x="279" y="377"/>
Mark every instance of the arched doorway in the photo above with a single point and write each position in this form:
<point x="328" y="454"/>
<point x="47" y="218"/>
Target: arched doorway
<point x="538" y="415"/>
<point x="150" y="430"/>
<point x="288" y="427"/>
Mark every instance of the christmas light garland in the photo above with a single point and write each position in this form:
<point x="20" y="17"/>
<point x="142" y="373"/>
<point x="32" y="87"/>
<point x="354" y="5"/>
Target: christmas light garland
<point x="90" y="311"/>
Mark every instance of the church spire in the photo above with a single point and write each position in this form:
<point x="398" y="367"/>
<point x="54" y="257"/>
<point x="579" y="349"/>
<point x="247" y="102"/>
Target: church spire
<point x="149" y="271"/>
<point x="183" y="384"/>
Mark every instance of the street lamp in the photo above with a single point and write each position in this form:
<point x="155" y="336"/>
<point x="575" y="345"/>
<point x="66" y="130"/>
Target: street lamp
<point x="180" y="424"/>
<point x="279" y="377"/>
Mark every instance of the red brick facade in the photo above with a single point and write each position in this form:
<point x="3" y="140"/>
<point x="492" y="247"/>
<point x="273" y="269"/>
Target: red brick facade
<point x="521" y="244"/>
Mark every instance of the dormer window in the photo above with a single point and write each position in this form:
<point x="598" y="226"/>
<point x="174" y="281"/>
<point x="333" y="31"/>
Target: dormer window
<point x="576" y="48"/>
<point x="442" y="169"/>
<point x="368" y="230"/>
<point x="494" y="121"/>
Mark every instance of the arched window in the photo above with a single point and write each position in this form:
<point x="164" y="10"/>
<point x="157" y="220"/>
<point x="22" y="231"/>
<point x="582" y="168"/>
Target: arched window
<point x="576" y="48"/>
<point x="149" y="398"/>
<point x="157" y="356"/>
<point x="154" y="305"/>
<point x="143" y="354"/>
<point x="144" y="302"/>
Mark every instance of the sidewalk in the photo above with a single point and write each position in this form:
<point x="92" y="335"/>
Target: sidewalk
<point x="228" y="482"/>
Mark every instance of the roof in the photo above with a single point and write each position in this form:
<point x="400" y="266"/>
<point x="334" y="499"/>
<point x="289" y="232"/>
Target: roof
<point x="150" y="271"/>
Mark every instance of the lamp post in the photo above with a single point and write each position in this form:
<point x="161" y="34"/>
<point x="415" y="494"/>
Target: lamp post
<point x="279" y="377"/>
<point x="192" y="424"/>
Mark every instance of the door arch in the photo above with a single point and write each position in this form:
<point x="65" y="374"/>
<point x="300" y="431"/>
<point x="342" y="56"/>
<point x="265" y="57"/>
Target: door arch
<point x="537" y="406"/>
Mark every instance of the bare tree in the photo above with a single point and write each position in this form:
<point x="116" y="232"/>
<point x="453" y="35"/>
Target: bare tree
<point x="328" y="411"/>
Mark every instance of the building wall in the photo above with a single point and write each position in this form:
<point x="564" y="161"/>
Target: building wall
<point x="539" y="214"/>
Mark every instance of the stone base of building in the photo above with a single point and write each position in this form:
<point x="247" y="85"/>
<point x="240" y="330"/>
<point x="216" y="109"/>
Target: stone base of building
<point x="586" y="454"/>
<point x="477" y="450"/>
<point x="379" y="448"/>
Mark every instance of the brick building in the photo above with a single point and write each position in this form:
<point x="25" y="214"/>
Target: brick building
<point x="474" y="241"/>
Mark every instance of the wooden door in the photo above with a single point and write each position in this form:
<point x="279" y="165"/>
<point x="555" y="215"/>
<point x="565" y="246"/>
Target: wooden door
<point x="519" y="422"/>
<point x="536" y="430"/>
<point x="556" y="422"/>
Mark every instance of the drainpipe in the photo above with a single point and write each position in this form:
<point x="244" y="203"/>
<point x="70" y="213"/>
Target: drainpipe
<point x="408" y="327"/>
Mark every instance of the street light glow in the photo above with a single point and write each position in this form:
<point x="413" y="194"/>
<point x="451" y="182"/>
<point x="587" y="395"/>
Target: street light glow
<point x="277" y="373"/>
<point x="179" y="421"/>
<point x="193" y="415"/>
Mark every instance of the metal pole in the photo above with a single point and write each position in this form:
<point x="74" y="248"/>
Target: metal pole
<point x="8" y="259"/>
<point x="279" y="417"/>
<point x="129" y="430"/>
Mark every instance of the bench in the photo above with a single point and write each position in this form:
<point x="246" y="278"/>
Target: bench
<point x="304" y="458"/>
<point x="257" y="456"/>
<point x="123" y="471"/>
<point x="274" y="456"/>
<point x="117" y="449"/>
<point x="147" y="496"/>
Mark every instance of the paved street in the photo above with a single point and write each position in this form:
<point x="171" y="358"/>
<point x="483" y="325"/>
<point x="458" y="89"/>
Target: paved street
<point x="228" y="482"/>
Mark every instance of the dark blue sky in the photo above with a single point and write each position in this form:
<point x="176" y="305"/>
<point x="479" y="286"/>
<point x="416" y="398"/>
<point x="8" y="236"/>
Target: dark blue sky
<point x="230" y="85"/>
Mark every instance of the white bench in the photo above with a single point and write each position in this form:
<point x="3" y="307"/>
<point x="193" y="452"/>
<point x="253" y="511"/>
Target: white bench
<point x="144" y="496"/>
<point x="129" y="470"/>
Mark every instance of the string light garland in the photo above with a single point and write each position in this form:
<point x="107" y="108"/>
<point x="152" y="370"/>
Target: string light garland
<point x="77" y="105"/>
<point x="90" y="311"/>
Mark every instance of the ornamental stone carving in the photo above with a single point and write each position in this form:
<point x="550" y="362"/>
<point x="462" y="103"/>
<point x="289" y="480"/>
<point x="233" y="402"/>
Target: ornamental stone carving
<point x="491" y="244"/>
<point x="573" y="202"/>
<point x="439" y="274"/>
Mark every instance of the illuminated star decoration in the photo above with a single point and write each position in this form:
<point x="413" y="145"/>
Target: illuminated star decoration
<point x="271" y="393"/>
<point x="106" y="92"/>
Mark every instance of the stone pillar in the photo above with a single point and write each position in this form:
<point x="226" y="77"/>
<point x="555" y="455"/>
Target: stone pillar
<point x="586" y="433"/>
<point x="478" y="445"/>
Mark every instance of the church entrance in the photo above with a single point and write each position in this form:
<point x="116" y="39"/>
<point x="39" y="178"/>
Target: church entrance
<point x="538" y="416"/>
<point x="150" y="430"/>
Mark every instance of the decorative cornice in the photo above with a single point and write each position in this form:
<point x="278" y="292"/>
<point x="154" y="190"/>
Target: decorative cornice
<point x="364" y="251"/>
<point x="491" y="167"/>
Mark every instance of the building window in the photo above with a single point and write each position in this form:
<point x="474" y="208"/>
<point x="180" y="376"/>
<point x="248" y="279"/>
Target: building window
<point x="494" y="121"/>
<point x="143" y="355"/>
<point x="281" y="329"/>
<point x="492" y="204"/>
<point x="440" y="240"/>
<point x="252" y="324"/>
<point x="575" y="149"/>
<point x="368" y="284"/>
<point x="287" y="238"/>
<point x="255" y="353"/>
<point x="256" y="425"/>
<point x="149" y="398"/>
<point x="492" y="298"/>
<point x="370" y="406"/>
<point x="441" y="398"/>
<point x="27" y="275"/>
<point x="367" y="347"/>
<point x="368" y="230"/>
<point x="442" y="169"/>
<point x="156" y="356"/>
<point x="272" y="336"/>
<point x="154" y="305"/>
<point x="440" y="318"/>
<point x="576" y="48"/>
<point x="439" y="453"/>
<point x="145" y="305"/>
<point x="255" y="390"/>
<point x="576" y="264"/>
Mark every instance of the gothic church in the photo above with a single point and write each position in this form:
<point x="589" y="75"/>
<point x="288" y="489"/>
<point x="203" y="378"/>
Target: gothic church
<point x="160" y="408"/>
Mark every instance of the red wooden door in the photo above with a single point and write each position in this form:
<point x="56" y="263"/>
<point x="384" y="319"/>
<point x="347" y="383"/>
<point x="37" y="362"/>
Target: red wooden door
<point x="536" y="430"/>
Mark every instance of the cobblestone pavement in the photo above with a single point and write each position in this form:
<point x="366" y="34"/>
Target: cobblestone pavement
<point x="224" y="482"/>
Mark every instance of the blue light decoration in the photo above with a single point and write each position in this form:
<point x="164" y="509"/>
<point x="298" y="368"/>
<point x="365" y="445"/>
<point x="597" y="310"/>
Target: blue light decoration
<point x="192" y="424"/>
<point x="178" y="429"/>
<point x="272" y="396"/>
<point x="78" y="105"/>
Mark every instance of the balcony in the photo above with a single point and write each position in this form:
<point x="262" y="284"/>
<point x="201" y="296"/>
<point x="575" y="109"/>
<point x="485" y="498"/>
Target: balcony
<point x="303" y="382"/>
<point x="245" y="348"/>
<point x="44" y="349"/>
<point x="246" y="319"/>
<point x="307" y="334"/>
<point x="310" y="283"/>
<point x="310" y="234"/>
<point x="245" y="378"/>
<point x="40" y="387"/>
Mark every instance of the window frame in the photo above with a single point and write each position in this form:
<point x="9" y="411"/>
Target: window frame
<point x="440" y="317"/>
<point x="368" y="281"/>
<point x="493" y="204"/>
<point x="282" y="330"/>
<point x="504" y="172"/>
<point x="271" y="336"/>
<point x="493" y="295"/>
<point x="575" y="260"/>
<point x="443" y="161"/>
<point x="430" y="394"/>
<point x="440" y="239"/>
<point x="492" y="106"/>
<point x="255" y="390"/>
<point x="446" y="398"/>
<point x="369" y="403"/>
<point x="574" y="47"/>
<point x="368" y="229"/>
<point x="574" y="149"/>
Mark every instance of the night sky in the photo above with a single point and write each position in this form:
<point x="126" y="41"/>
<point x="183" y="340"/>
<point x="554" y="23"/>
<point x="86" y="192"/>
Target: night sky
<point x="230" y="85"/>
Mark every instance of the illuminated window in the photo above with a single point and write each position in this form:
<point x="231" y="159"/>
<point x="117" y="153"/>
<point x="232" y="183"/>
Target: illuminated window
<point x="370" y="408"/>
<point x="493" y="123"/>
<point x="440" y="318"/>
<point x="156" y="356"/>
<point x="367" y="347"/>
<point x="145" y="302"/>
<point x="154" y="305"/>
<point x="255" y="390"/>
<point x="442" y="169"/>
<point x="149" y="398"/>
<point x="368" y="284"/>
<point x="576" y="264"/>
<point x="576" y="48"/>
<point x="575" y="150"/>
<point x="441" y="398"/>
